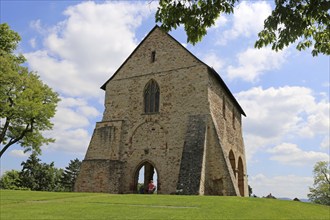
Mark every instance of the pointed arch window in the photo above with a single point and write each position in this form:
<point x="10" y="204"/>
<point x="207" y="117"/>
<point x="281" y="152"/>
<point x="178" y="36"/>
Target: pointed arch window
<point x="151" y="97"/>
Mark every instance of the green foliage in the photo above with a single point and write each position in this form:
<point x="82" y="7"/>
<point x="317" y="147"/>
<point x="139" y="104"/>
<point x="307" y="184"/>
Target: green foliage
<point x="60" y="205"/>
<point x="26" y="103"/>
<point x="70" y="174"/>
<point x="9" y="39"/>
<point x="40" y="176"/>
<point x="250" y="190"/>
<point x="195" y="15"/>
<point x="320" y="193"/>
<point x="306" y="21"/>
<point x="10" y="180"/>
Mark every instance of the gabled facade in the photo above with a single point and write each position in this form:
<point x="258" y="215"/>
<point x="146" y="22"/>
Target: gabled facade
<point x="166" y="111"/>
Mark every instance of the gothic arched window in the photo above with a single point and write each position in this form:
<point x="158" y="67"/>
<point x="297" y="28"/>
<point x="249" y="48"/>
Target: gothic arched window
<point x="151" y="97"/>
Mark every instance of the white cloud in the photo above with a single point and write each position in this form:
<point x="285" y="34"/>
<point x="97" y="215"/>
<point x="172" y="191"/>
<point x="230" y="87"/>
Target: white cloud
<point x="290" y="186"/>
<point x="275" y="115"/>
<point x="248" y="20"/>
<point x="70" y="140"/>
<point x="18" y="153"/>
<point x="291" y="154"/>
<point x="72" y="102"/>
<point x="74" y="113"/>
<point x="318" y="121"/>
<point x="68" y="118"/>
<point x="221" y="21"/>
<point x="89" y="111"/>
<point x="63" y="75"/>
<point x="214" y="61"/>
<point x="252" y="63"/>
<point x="82" y="52"/>
<point x="71" y="123"/>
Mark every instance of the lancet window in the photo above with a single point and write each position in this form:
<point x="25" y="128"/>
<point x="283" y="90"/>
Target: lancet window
<point x="151" y="97"/>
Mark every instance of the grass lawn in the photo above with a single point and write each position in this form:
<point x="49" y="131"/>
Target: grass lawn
<point x="51" y="205"/>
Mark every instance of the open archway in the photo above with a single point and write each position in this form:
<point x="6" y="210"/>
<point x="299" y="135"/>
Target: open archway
<point x="145" y="172"/>
<point x="240" y="176"/>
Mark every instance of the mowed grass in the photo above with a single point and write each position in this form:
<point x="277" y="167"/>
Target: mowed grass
<point x="54" y="205"/>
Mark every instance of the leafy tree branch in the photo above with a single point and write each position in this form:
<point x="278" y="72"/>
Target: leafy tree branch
<point x="305" y="22"/>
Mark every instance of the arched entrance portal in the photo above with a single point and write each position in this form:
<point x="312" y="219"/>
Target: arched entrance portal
<point x="145" y="172"/>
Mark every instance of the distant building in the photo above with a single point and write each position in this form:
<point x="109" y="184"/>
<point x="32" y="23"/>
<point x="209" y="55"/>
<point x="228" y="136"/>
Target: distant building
<point x="166" y="111"/>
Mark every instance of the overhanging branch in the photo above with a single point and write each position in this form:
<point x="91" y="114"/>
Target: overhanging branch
<point x="13" y="141"/>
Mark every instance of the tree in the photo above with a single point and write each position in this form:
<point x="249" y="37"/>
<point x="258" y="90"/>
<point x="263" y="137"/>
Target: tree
<point x="49" y="178"/>
<point x="291" y="20"/>
<point x="304" y="20"/>
<point x="10" y="180"/>
<point x="29" y="172"/>
<point x="26" y="103"/>
<point x="40" y="176"/>
<point x="320" y="193"/>
<point x="250" y="190"/>
<point x="70" y="174"/>
<point x="195" y="15"/>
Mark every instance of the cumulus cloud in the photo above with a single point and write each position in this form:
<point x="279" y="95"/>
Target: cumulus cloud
<point x="71" y="123"/>
<point x="69" y="141"/>
<point x="291" y="186"/>
<point x="318" y="120"/>
<point x="63" y="75"/>
<point x="278" y="114"/>
<point x="252" y="63"/>
<point x="248" y="20"/>
<point x="84" y="50"/>
<point x="291" y="154"/>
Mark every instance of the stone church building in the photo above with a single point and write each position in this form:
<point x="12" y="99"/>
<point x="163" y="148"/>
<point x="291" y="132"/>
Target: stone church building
<point x="169" y="113"/>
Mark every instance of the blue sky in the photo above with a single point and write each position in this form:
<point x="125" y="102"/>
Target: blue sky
<point x="75" y="46"/>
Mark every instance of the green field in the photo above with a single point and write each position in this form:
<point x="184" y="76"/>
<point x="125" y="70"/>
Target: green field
<point x="51" y="205"/>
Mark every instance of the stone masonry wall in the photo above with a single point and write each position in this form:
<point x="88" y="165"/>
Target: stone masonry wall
<point x="228" y="125"/>
<point x="99" y="176"/>
<point x="219" y="177"/>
